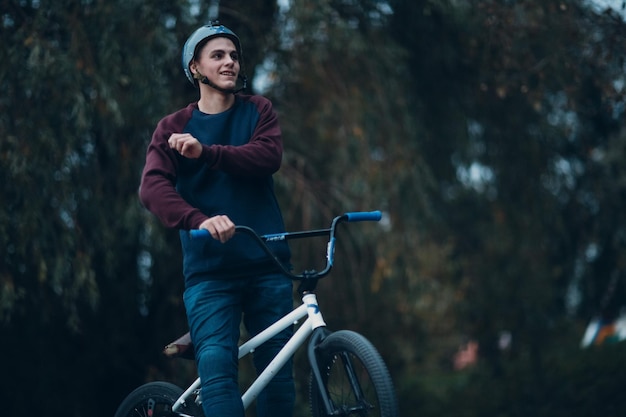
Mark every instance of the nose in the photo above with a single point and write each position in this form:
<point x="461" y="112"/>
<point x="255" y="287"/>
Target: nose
<point x="230" y="60"/>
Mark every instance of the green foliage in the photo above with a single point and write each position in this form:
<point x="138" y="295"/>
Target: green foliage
<point x="72" y="140"/>
<point x="83" y="85"/>
<point x="352" y="144"/>
<point x="488" y="151"/>
<point x="490" y="133"/>
<point x="572" y="383"/>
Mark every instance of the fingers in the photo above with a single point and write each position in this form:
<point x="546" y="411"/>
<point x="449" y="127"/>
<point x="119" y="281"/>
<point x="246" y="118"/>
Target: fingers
<point x="220" y="227"/>
<point x="185" y="144"/>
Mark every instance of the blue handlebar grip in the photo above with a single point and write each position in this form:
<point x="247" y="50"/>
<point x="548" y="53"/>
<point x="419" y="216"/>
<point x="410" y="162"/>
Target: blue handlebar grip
<point x="364" y="216"/>
<point x="198" y="233"/>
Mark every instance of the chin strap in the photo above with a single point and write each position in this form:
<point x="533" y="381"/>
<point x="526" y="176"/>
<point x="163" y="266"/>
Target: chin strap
<point x="206" y="81"/>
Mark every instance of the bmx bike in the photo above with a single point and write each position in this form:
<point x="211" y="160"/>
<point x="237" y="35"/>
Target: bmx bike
<point x="348" y="377"/>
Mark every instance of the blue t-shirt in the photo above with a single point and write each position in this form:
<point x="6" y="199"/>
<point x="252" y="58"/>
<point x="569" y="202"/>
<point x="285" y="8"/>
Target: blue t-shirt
<point x="233" y="178"/>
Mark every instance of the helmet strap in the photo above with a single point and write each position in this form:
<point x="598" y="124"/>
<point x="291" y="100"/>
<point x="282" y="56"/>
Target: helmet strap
<point x="204" y="80"/>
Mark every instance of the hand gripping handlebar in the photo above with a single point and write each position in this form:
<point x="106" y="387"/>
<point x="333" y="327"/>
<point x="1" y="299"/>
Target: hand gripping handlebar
<point x="358" y="216"/>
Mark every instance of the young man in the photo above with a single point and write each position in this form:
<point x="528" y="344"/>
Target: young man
<point x="209" y="166"/>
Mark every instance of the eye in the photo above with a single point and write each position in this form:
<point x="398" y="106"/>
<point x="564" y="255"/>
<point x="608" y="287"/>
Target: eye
<point x="234" y="56"/>
<point x="217" y="55"/>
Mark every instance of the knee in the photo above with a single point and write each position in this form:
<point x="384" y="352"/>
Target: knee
<point x="216" y="362"/>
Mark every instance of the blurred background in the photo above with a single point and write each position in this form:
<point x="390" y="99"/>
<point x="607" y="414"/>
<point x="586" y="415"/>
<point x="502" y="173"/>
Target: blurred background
<point x="491" y="133"/>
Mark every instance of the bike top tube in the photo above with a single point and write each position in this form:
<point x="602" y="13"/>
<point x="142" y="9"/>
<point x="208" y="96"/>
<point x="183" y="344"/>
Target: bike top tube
<point x="261" y="240"/>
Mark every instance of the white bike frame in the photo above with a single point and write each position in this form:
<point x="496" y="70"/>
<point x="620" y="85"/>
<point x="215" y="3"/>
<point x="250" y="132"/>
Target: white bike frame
<point x="308" y="307"/>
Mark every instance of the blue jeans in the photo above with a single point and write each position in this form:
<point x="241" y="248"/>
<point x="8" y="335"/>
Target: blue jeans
<point x="214" y="311"/>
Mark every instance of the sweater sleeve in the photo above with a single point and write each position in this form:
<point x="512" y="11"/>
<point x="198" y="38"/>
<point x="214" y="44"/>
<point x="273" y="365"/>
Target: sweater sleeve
<point x="262" y="155"/>
<point x="157" y="191"/>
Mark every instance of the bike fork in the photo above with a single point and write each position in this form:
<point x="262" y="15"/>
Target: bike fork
<point x="318" y="336"/>
<point x="354" y="381"/>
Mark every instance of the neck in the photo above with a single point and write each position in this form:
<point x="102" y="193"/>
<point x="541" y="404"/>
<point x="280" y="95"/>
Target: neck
<point x="213" y="102"/>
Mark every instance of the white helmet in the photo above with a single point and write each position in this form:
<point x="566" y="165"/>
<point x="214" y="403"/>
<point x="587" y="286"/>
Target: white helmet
<point x="204" y="33"/>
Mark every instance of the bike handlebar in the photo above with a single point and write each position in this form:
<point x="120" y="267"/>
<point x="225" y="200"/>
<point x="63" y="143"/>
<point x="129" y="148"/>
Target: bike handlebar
<point x="363" y="216"/>
<point x="358" y="216"/>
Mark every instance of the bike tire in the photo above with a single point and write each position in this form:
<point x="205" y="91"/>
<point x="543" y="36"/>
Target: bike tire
<point x="157" y="396"/>
<point x="379" y="398"/>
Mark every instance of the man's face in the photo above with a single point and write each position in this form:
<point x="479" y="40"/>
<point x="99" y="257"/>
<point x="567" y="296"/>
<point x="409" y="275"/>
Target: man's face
<point x="219" y="62"/>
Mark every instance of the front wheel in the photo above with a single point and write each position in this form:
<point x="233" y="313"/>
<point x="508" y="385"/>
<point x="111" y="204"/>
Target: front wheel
<point x="355" y="378"/>
<point x="155" y="399"/>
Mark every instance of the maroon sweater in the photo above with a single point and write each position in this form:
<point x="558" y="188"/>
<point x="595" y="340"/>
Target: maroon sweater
<point x="242" y="148"/>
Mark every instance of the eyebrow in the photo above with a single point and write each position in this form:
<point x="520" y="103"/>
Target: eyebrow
<point x="223" y="50"/>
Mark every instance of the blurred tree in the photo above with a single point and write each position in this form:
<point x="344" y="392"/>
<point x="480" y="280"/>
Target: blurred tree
<point x="354" y="142"/>
<point x="90" y="285"/>
<point x="544" y="118"/>
<point x="526" y="100"/>
<point x="499" y="119"/>
<point x="489" y="132"/>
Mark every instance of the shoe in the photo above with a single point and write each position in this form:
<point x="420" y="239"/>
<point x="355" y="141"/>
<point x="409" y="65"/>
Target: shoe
<point x="181" y="348"/>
